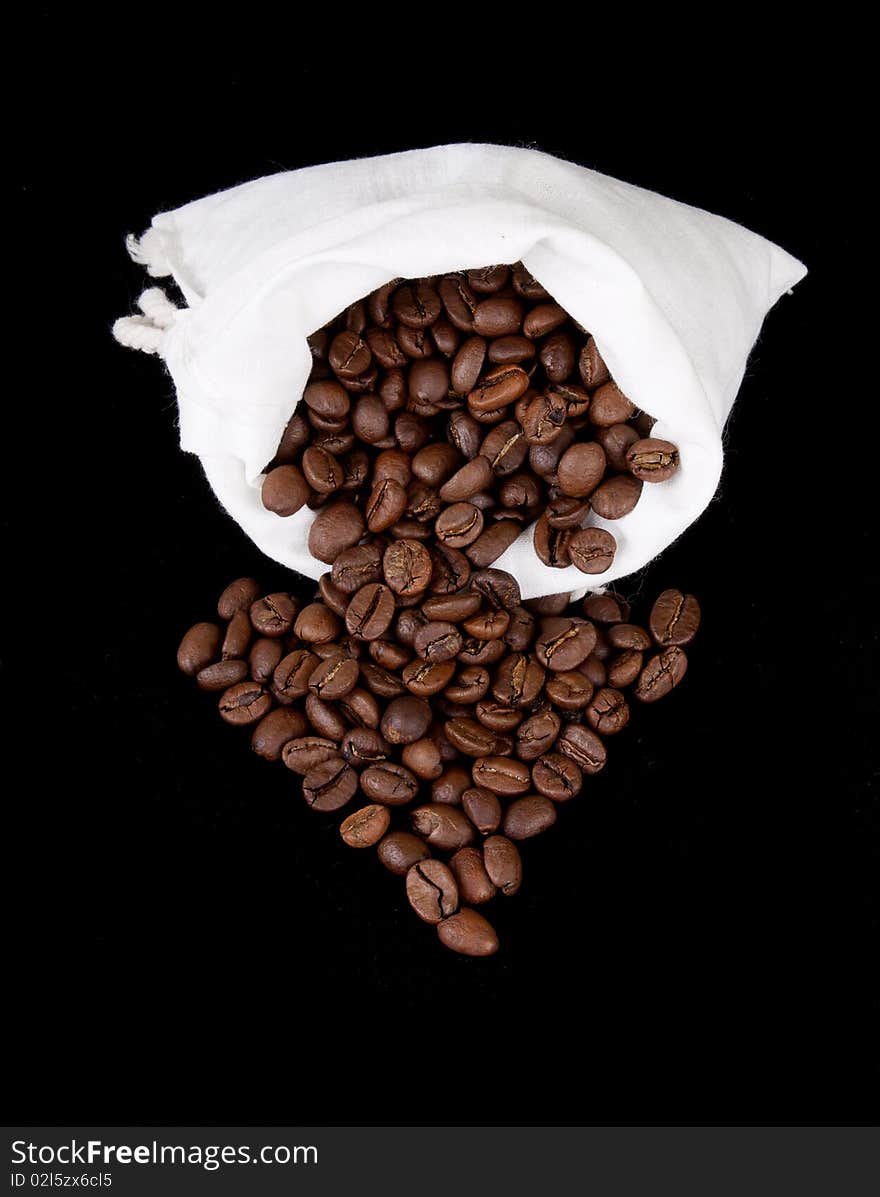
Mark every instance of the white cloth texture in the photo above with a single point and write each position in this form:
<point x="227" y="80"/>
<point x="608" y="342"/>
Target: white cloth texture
<point x="674" y="296"/>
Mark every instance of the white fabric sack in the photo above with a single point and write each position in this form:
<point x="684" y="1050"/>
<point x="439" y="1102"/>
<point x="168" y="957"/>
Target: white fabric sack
<point x="674" y="296"/>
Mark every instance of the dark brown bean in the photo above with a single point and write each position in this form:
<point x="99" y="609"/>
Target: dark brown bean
<point x="336" y="527"/>
<point x="616" y="497"/>
<point x="501" y="775"/>
<point x="529" y="816"/>
<point x="199" y="647"/>
<point x="432" y="891"/>
<point x="443" y="826"/>
<point x="474" y="883"/>
<point x="305" y="752"/>
<point x="284" y="491"/>
<point x="244" y="704"/>
<point x="275" y="730"/>
<point x="239" y="595"/>
<point x="370" y="611"/>
<point x="581" y="745"/>
<point x="607" y="712"/>
<point x="468" y="933"/>
<point x="330" y="785"/>
<point x="592" y="550"/>
<point x="674" y="618"/>
<point x="503" y="864"/>
<point x="581" y="468"/>
<point x="365" y="827"/>
<point x="221" y="675"/>
<point x="610" y="406"/>
<point x="661" y="674"/>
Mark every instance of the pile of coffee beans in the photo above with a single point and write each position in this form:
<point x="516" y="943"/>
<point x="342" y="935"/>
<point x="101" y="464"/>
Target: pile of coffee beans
<point x="411" y="681"/>
<point x="456" y="411"/>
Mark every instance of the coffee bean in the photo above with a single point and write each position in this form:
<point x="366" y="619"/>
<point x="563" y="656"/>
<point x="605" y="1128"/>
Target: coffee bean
<point x="581" y="745"/>
<point x="316" y="624"/>
<point x="564" y="643"/>
<point x="293" y="673"/>
<point x="370" y="611"/>
<point x="355" y="567"/>
<point x="544" y="418"/>
<point x="499" y="588"/>
<point x="422" y="758"/>
<point x="444" y="827"/>
<point x="470" y="737"/>
<point x="438" y="642"/>
<point x="406" y="719"/>
<point x="518" y="681"/>
<point x="407" y="567"/>
<point x="445" y="336"/>
<point x="652" y="460"/>
<point x="674" y="618"/>
<point x="417" y="305"/>
<point x="199" y="647"/>
<point x="294" y="437"/>
<point x="236" y="642"/>
<point x="336" y="527"/>
<point x="264" y="657"/>
<point x="557" y="355"/>
<point x="498" y="388"/>
<point x="592" y="550"/>
<point x="501" y="775"/>
<point x="473" y="477"/>
<point x="365" y="827"/>
<point x="450" y="785"/>
<point x="386" y="505"/>
<point x="498" y="317"/>
<point x="284" y="490"/>
<point x="393" y="464"/>
<point x="451" y="608"/>
<point x="468" y="933"/>
<point x="400" y="850"/>
<point x="567" y="512"/>
<point x="333" y="598"/>
<point x="221" y="675"/>
<point x="520" y="629"/>
<point x="616" y="441"/>
<point x="273" y="615"/>
<point x="557" y="777"/>
<point x="362" y="747"/>
<point x="381" y="682"/>
<point x="323" y="472"/>
<point x="581" y="468"/>
<point x="610" y="406"/>
<point x="482" y="808"/>
<point x="492" y="543"/>
<point x="628" y="635"/>
<point x="474" y="883"/>
<point x="432" y="891"/>
<point x="505" y="447"/>
<point x="369" y="420"/>
<point x="593" y="370"/>
<point x="307" y="752"/>
<point x="487" y="625"/>
<point x="607" y="712"/>
<point x="551" y="544"/>
<point x="537" y="734"/>
<point x="503" y="864"/>
<point x="544" y="318"/>
<point x="244" y="704"/>
<point x="334" y="678"/>
<point x="464" y="433"/>
<point x="330" y="785"/>
<point x="384" y="348"/>
<point x="459" y="525"/>
<point x="488" y="279"/>
<point x="527" y="817"/>
<point x="426" y="678"/>
<point x="606" y="608"/>
<point x="275" y="730"/>
<point x="625" y="668"/>
<point x="238" y="596"/>
<point x="429" y="380"/>
<point x="506" y="351"/>
<point x="327" y="399"/>
<point x="661" y="674"/>
<point x="616" y="497"/>
<point x="569" y="691"/>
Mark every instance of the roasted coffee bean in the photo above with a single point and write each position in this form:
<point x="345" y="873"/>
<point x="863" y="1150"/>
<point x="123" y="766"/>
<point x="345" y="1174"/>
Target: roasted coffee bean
<point x="384" y="348"/>
<point x="474" y="883"/>
<point x="474" y="476"/>
<point x="557" y="355"/>
<point x="616" y="497"/>
<point x="451" y="608"/>
<point x="239" y="633"/>
<point x="416" y="343"/>
<point x="316" y="624"/>
<point x="593" y="371"/>
<point x="557" y="777"/>
<point x="446" y="337"/>
<point x="548" y="604"/>
<point x="400" y="850"/>
<point x="244" y="704"/>
<point x="520" y="629"/>
<point x="273" y="615"/>
<point x="497" y="716"/>
<point x="625" y="668"/>
<point x="518" y="681"/>
<point x="498" y="388"/>
<point x="551" y="544"/>
<point x="275" y="730"/>
<point x="505" y="447"/>
<point x="488" y="279"/>
<point x="304" y="753"/>
<point x="501" y="775"/>
<point x="407" y="567"/>
<point x="503" y="864"/>
<point x="325" y="718"/>
<point x="450" y="570"/>
<point x="527" y="286"/>
<point x="499" y="588"/>
<point x="284" y="490"/>
<point x="381" y="682"/>
<point x="370" y="611"/>
<point x="592" y="550"/>
<point x="450" y="785"/>
<point x="652" y="460"/>
<point x="199" y="648"/>
<point x="389" y="783"/>
<point x="355" y="567"/>
<point x="386" y="505"/>
<point x="334" y="598"/>
<point x="544" y="459"/>
<point x="327" y="399"/>
<point x="674" y="618"/>
<point x="465" y="433"/>
<point x="416" y="305"/>
<point x="487" y="625"/>
<point x="438" y="642"/>
<point x="388" y="654"/>
<point x="239" y="595"/>
<point x="661" y="674"/>
<point x="544" y="319"/>
<point x="527" y="817"/>
<point x="434" y="464"/>
<point x="628" y="635"/>
<point x="334" y="678"/>
<point x="581" y="468"/>
<point x="426" y="678"/>
<point x="379" y="302"/>
<point x="422" y="758"/>
<point x="395" y="465"/>
<point x="506" y="351"/>
<point x="564" y="643"/>
<point x="603" y="650"/>
<point x="536" y="735"/>
<point x="520" y="491"/>
<point x="330" y="785"/>
<point x="443" y="826"/>
<point x="293" y="673"/>
<point x="323" y="472"/>
<point x="362" y="747"/>
<point x="360" y="708"/>
<point x="294" y="437"/>
<point x="581" y="745"/>
<point x="432" y="891"/>
<point x="470" y="737"/>
<point x="336" y="527"/>
<point x="567" y="512"/>
<point x="610" y="406"/>
<point x="406" y="719"/>
<point x="616" y="442"/>
<point x="459" y="525"/>
<point x="498" y="317"/>
<point x="221" y="675"/>
<point x="569" y="691"/>
<point x="428" y="381"/>
<point x="468" y="933"/>
<point x="365" y="827"/>
<point x="482" y="808"/>
<point x="264" y="657"/>
<point x="608" y="712"/>
<point x="606" y="608"/>
<point x="369" y="420"/>
<point x="492" y="543"/>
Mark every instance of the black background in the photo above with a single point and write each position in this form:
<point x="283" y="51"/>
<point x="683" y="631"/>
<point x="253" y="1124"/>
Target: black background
<point x="190" y="943"/>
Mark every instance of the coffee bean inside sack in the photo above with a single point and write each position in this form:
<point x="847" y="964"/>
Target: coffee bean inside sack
<point x="421" y="704"/>
<point x="454" y="412"/>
